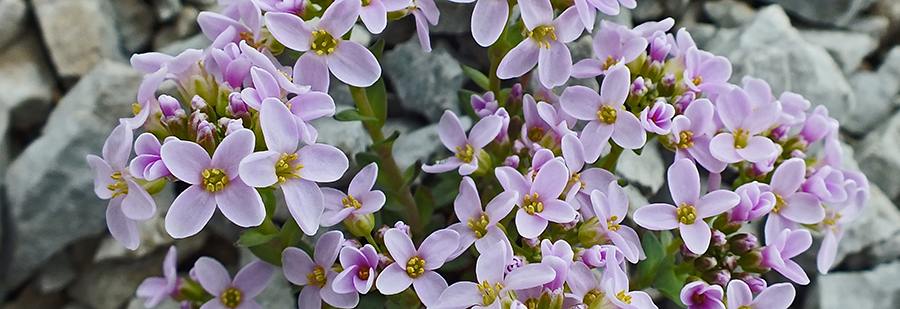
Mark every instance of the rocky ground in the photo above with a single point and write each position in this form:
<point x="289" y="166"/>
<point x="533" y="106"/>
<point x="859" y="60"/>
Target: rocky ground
<point x="65" y="81"/>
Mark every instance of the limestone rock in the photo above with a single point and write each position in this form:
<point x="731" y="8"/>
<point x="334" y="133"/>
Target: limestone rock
<point x="456" y="18"/>
<point x="134" y="24"/>
<point x="875" y="93"/>
<point x="877" y="156"/>
<point x="647" y="171"/>
<point x="183" y="25"/>
<point x="426" y="83"/>
<point x="13" y="14"/>
<point x="50" y="184"/>
<point x="848" y="48"/>
<point x="166" y="10"/>
<point x="876" y="288"/>
<point x="826" y="12"/>
<point x="111" y="284"/>
<point x="79" y="34"/>
<point x="771" y="49"/>
<point x="729" y="13"/>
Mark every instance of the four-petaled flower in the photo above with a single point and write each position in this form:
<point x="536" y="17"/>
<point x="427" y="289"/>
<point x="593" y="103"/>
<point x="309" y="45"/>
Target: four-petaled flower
<point x="156" y="289"/>
<point x="776" y="296"/>
<point x="476" y="225"/>
<point x="466" y="149"/>
<point x="316" y="275"/>
<point x="538" y="199"/>
<point x="230" y="294"/>
<point x="416" y="267"/>
<point x="359" y="200"/>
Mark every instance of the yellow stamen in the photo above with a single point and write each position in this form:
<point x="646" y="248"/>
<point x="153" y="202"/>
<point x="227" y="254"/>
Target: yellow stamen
<point x="214" y="180"/>
<point x="415" y="267"/>
<point x="231" y="298"/>
<point x="543" y="34"/>
<point x="686" y="214"/>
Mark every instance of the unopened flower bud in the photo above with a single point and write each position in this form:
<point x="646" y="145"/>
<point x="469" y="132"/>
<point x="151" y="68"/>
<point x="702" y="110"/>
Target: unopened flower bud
<point x="484" y="105"/>
<point x="198" y="103"/>
<point x="743" y="243"/>
<point x="797" y="153"/>
<point x="236" y="106"/>
<point x="384" y="260"/>
<point x="230" y="125"/>
<point x="185" y="304"/>
<point x="379" y="234"/>
<point x="591" y="233"/>
<point x="779" y="133"/>
<point x="511" y="161"/>
<point x="718" y="277"/>
<point x="718" y="239"/>
<point x="360" y="225"/>
<point x="757" y="285"/>
<point x="667" y="85"/>
<point x="351" y="243"/>
<point x="686" y="253"/>
<point x="532" y="242"/>
<point x="705" y="263"/>
<point x="752" y="262"/>
<point x="682" y="101"/>
<point x="729" y="262"/>
<point x="400" y="225"/>
<point x="639" y="87"/>
<point x="571" y="224"/>
<point x="169" y="106"/>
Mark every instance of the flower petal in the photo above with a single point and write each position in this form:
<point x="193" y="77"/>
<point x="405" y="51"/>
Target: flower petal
<point x="803" y="208"/>
<point x="716" y="202"/>
<point x="315" y="72"/>
<point x="138" y="204"/>
<point x="190" y="212"/>
<point x="123" y="229"/>
<point x="186" y="160"/>
<point x="788" y="177"/>
<point x="550" y="180"/>
<point x="437" y="247"/>
<point x="615" y="87"/>
<point x="241" y="204"/>
<point x="289" y="30"/>
<point x="657" y="217"/>
<point x="486" y="22"/>
<point x="628" y="132"/>
<point x="738" y="294"/>
<point x="353" y="64"/>
<point x="232" y="150"/>
<point x="400" y="246"/>
<point x="776" y="296"/>
<point x="212" y="275"/>
<point x="467" y="203"/>
<point x="554" y="64"/>
<point x="253" y="278"/>
<point x="429" y="286"/>
<point x="278" y="126"/>
<point x="684" y="182"/>
<point x="297" y="265"/>
<point x="322" y="163"/>
<point x="484" y="131"/>
<point x="340" y="17"/>
<point x="258" y="169"/>
<point x="305" y="203"/>
<point x="393" y="279"/>
<point x="557" y="211"/>
<point x="581" y="102"/>
<point x="529" y="275"/>
<point x="374" y="16"/>
<point x="529" y="226"/>
<point x="462" y="294"/>
<point x="519" y="60"/>
<point x="696" y="236"/>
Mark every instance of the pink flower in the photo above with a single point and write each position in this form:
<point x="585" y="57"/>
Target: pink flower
<point x="791" y="207"/>
<point x="466" y="149"/>
<point x="359" y="270"/>
<point x="684" y="184"/>
<point x="416" y="267"/>
<point x="699" y="295"/>
<point x="359" y="200"/>
<point x="745" y="114"/>
<point x="611" y="208"/>
<point x="317" y="275"/>
<point x="544" y="44"/>
<point x="538" y="198"/>
<point x="238" y="293"/>
<point x="488" y="19"/>
<point x="612" y="45"/>
<point x="156" y="289"/>
<point x="658" y="118"/>
<point x="349" y="61"/>
<point x="148" y="164"/>
<point x="781" y="249"/>
<point x="214" y="181"/>
<point x="776" y="296"/>
<point x="476" y="225"/>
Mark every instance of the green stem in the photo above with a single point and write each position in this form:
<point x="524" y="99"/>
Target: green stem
<point x="388" y="165"/>
<point x="609" y="163"/>
<point x="496" y="52"/>
<point x="372" y="242"/>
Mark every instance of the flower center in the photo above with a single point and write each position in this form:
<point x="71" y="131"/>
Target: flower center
<point x="623" y="297"/>
<point x="120" y="187"/>
<point x="607" y="114"/>
<point x="323" y="42"/>
<point x="415" y="267"/>
<point x="698" y="298"/>
<point x="532" y="303"/>
<point x="609" y="62"/>
<point x="740" y="138"/>
<point x="532" y="204"/>
<point x="231" y="298"/>
<point x="685" y="139"/>
<point x="317" y="277"/>
<point x="536" y="133"/>
<point x="591" y="296"/>
<point x="489" y="293"/>
<point x="611" y="223"/>
<point x="214" y="180"/>
<point x="349" y="201"/>
<point x="466" y="155"/>
<point x="779" y="202"/>
<point x="697" y="80"/>
<point x="366" y="2"/>
<point x="480" y="226"/>
<point x="686" y="214"/>
<point x="543" y="34"/>
<point x="363" y="273"/>
<point x="136" y="108"/>
<point x="744" y="307"/>
<point x="285" y="167"/>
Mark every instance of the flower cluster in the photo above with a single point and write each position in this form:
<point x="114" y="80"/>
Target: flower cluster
<point x="543" y="218"/>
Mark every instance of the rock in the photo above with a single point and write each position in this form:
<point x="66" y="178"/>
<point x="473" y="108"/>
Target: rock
<point x="874" y="98"/>
<point x="646" y="10"/>
<point x="872" y="238"/>
<point x="278" y="294"/>
<point x="185" y="24"/>
<point x="647" y="171"/>
<point x="873" y="25"/>
<point x="891" y="64"/>
<point x="57" y="274"/>
<point x="50" y="185"/>
<point x="349" y="137"/>
<point x="729" y="13"/>
<point x="78" y="34"/>
<point x="771" y="49"/>
<point x="826" y="12"/>
<point x="138" y="303"/>
<point x="197" y="41"/>
<point x="426" y="83"/>
<point x="847" y="48"/>
<point x="135" y="26"/>
<point x="28" y="82"/>
<point x="876" y="288"/>
<point x="5" y="242"/>
<point x="702" y="33"/>
<point x="877" y="156"/>
<point x="422" y="144"/>
<point x="166" y="10"/>
<point x="12" y="20"/>
<point x="29" y="297"/>
<point x="111" y="284"/>
<point x="456" y="18"/>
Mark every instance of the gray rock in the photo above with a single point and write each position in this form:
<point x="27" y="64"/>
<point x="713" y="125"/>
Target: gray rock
<point x="891" y="64"/>
<point x="702" y="33"/>
<point x="349" y="137"/>
<point x="78" y="33"/>
<point x="876" y="288"/>
<point x="135" y="26"/>
<point x="197" y="41"/>
<point x="647" y="171"/>
<point x="873" y="25"/>
<point x="425" y="82"/>
<point x="28" y="82"/>
<point x="874" y="94"/>
<point x="771" y="49"/>
<point x="57" y="274"/>
<point x="111" y="284"/>
<point x="138" y="303"/>
<point x="826" y="12"/>
<point x="422" y="144"/>
<point x="455" y="18"/>
<point x="166" y="10"/>
<point x="877" y="156"/>
<point x="847" y="48"/>
<point x="12" y="20"/>
<point x="185" y="24"/>
<point x="729" y="13"/>
<point x="50" y="184"/>
<point x="646" y="10"/>
<point x="878" y="222"/>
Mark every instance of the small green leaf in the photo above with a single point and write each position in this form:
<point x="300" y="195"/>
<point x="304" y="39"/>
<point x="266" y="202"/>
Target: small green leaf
<point x="647" y="268"/>
<point x="268" y="198"/>
<point x="477" y="77"/>
<point x="668" y="282"/>
<point x="412" y="173"/>
<point x="351" y="114"/>
<point x="387" y="143"/>
<point x="253" y="237"/>
<point x="425" y="203"/>
<point x="267" y="253"/>
<point x="377" y="93"/>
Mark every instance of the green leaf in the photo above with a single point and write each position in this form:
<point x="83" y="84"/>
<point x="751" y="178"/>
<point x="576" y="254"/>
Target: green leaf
<point x="668" y="282"/>
<point x="253" y="237"/>
<point x="268" y="198"/>
<point x="267" y="253"/>
<point x="425" y="203"/>
<point x="647" y="268"/>
<point x="477" y="77"/>
<point x="412" y="173"/>
<point x="377" y="93"/>
<point x="387" y="143"/>
<point x="465" y="102"/>
<point x="351" y="114"/>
